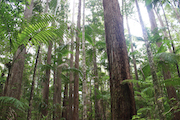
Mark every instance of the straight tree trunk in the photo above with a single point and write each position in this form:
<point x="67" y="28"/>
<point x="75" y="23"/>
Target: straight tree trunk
<point x="166" y="73"/>
<point x="14" y="79"/>
<point x="157" y="89"/>
<point x="162" y="25"/>
<point x="84" y="67"/>
<point x="32" y="87"/>
<point x="46" y="82"/>
<point x="132" y="50"/>
<point x="172" y="44"/>
<point x="1" y="85"/>
<point x="54" y="84"/>
<point x="65" y="103"/>
<point x="76" y="76"/>
<point x="47" y="76"/>
<point x="96" y="87"/>
<point x="58" y="94"/>
<point x="90" y="117"/>
<point x="122" y="95"/>
<point x="16" y="73"/>
<point x="71" y="65"/>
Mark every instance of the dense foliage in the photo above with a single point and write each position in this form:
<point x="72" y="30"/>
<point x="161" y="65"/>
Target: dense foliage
<point x="50" y="25"/>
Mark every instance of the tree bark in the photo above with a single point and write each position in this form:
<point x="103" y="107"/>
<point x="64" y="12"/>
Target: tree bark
<point x="14" y="79"/>
<point x="122" y="96"/>
<point x="71" y="65"/>
<point x="46" y="82"/>
<point x="65" y="103"/>
<point x="32" y="87"/>
<point x="76" y="76"/>
<point x="47" y="76"/>
<point x="84" y="67"/>
<point x="16" y="74"/>
<point x="96" y="87"/>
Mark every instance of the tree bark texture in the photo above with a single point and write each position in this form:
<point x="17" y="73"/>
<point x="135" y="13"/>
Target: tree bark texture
<point x="122" y="96"/>
<point x="14" y="79"/>
<point x="96" y="87"/>
<point x="16" y="73"/>
<point x="84" y="91"/>
<point x="46" y="82"/>
<point x="65" y="103"/>
<point x="76" y="76"/>
<point x="28" y="10"/>
<point x="71" y="66"/>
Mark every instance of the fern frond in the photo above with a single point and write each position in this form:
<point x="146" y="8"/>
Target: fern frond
<point x="172" y="82"/>
<point x="10" y="101"/>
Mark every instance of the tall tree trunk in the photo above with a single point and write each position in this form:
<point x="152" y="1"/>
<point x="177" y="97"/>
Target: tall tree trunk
<point x="65" y="103"/>
<point x="47" y="76"/>
<point x="166" y="73"/>
<point x="96" y="86"/>
<point x="46" y="82"/>
<point x="76" y="76"/>
<point x="172" y="44"/>
<point x="175" y="10"/>
<point x="90" y="117"/>
<point x="157" y="89"/>
<point x="71" y="65"/>
<point x="122" y="95"/>
<point x="54" y="84"/>
<point x="14" y="79"/>
<point x="84" y="67"/>
<point x="58" y="91"/>
<point x="132" y="50"/>
<point x="1" y="85"/>
<point x="28" y="10"/>
<point x="32" y="87"/>
<point x="162" y="25"/>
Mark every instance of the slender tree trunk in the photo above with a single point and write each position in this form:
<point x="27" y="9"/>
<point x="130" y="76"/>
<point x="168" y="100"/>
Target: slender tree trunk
<point x="1" y="85"/>
<point x="46" y="82"/>
<point x="166" y="73"/>
<point x="32" y="87"/>
<point x="96" y="87"/>
<point x="58" y="92"/>
<point x="172" y="44"/>
<point x="47" y="76"/>
<point x="76" y="76"/>
<point x="122" y="95"/>
<point x="65" y="103"/>
<point x="54" y="84"/>
<point x="132" y="50"/>
<point x="159" y="103"/>
<point x="175" y="10"/>
<point x="162" y="25"/>
<point x="84" y="67"/>
<point x="71" y="65"/>
<point x="90" y="117"/>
